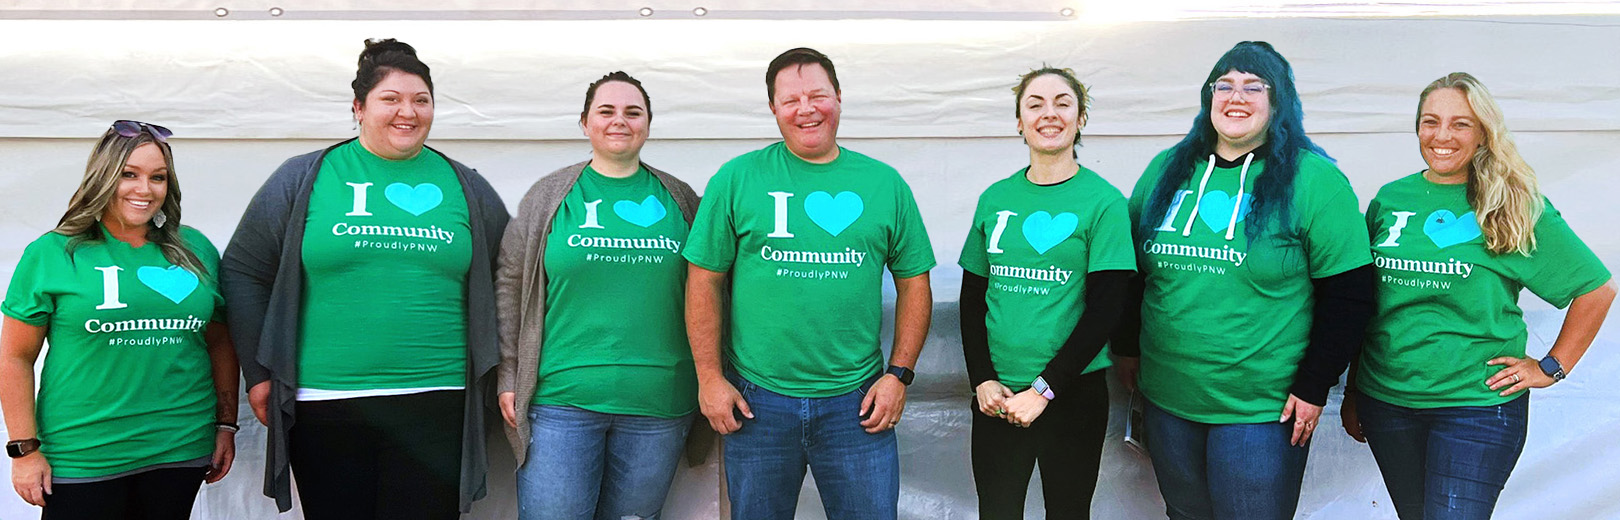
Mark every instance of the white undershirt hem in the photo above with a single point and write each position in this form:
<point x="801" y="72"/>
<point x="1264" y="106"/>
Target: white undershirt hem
<point x="316" y="394"/>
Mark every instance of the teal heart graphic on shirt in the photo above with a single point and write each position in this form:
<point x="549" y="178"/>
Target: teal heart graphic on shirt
<point x="1215" y="209"/>
<point x="834" y="214"/>
<point x="173" y="283"/>
<point x="649" y="212"/>
<point x="1447" y="229"/>
<point x="1044" y="231"/>
<point x="416" y="201"/>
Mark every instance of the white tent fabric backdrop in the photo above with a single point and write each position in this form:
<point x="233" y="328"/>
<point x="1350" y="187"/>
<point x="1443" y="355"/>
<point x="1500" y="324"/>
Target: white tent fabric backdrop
<point x="931" y="98"/>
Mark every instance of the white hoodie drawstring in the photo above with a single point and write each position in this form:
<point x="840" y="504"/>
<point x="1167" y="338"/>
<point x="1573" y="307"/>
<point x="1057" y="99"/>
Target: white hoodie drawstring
<point x="1187" y="229"/>
<point x="1237" y="202"/>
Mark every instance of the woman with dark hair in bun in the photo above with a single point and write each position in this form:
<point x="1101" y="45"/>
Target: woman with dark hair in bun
<point x="596" y="379"/>
<point x="364" y="273"/>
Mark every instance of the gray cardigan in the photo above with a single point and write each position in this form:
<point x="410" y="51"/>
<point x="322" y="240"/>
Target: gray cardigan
<point x="520" y="284"/>
<point x="262" y="277"/>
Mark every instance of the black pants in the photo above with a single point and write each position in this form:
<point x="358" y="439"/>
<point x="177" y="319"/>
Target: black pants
<point x="1066" y="440"/>
<point x="160" y="494"/>
<point x="392" y="457"/>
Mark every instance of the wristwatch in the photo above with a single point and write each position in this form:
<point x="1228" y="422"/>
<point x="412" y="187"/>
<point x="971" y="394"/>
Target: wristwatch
<point x="905" y="375"/>
<point x="1553" y="369"/>
<point x="1042" y="388"/>
<point x="19" y="448"/>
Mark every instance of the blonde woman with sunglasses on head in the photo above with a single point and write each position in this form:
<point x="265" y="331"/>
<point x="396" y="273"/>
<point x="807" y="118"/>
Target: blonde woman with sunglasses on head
<point x="137" y="398"/>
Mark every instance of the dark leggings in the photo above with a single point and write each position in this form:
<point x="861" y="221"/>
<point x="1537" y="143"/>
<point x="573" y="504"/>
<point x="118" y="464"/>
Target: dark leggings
<point x="392" y="457"/>
<point x="1066" y="440"/>
<point x="159" y="494"/>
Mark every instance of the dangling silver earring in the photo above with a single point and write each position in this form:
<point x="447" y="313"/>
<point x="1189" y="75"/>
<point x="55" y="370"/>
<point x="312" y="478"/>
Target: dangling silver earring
<point x="160" y="219"/>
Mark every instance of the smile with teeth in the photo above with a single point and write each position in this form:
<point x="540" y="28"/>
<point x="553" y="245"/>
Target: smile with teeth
<point x="1443" y="151"/>
<point x="1236" y="114"/>
<point x="1049" y="131"/>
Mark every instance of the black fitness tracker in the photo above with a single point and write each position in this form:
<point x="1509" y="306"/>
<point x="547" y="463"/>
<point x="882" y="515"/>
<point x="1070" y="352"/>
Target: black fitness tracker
<point x="905" y="375"/>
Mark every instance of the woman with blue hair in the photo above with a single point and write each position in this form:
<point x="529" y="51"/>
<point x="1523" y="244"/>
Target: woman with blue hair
<point x="1255" y="288"/>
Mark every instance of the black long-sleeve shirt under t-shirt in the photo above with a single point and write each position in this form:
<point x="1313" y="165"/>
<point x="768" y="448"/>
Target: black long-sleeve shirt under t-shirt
<point x="1103" y="294"/>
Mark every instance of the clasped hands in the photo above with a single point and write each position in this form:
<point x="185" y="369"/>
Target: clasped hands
<point x="1018" y="409"/>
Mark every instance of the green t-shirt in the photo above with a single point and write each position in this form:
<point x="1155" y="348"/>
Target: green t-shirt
<point x="1225" y="322"/>
<point x="1446" y="305"/>
<point x="127" y="381"/>
<point x="806" y="244"/>
<point x="387" y="245"/>
<point x="1036" y="244"/>
<point x="615" y="330"/>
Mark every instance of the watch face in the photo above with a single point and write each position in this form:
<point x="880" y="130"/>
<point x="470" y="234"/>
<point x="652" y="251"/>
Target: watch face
<point x="1551" y="367"/>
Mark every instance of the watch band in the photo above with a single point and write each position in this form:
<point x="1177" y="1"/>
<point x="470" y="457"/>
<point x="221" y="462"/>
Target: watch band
<point x="1042" y="388"/>
<point x="21" y="447"/>
<point x="905" y="375"/>
<point x="1553" y="368"/>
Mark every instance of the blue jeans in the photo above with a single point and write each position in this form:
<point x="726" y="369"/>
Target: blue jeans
<point x="1225" y="471"/>
<point x="1444" y="463"/>
<point x="585" y="465"/>
<point x="857" y="473"/>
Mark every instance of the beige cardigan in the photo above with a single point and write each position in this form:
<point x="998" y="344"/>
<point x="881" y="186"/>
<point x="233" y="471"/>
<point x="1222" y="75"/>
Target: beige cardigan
<point x="520" y="290"/>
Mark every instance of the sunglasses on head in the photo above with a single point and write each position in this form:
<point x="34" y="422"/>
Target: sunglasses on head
<point x="128" y="128"/>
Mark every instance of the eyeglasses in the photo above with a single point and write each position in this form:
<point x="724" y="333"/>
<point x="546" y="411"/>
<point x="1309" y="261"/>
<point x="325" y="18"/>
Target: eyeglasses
<point x="1226" y="89"/>
<point x="128" y="128"/>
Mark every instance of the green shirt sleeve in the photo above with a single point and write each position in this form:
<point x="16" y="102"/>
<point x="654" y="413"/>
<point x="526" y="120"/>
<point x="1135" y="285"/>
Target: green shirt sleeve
<point x="1110" y="247"/>
<point x="26" y="298"/>
<point x="973" y="258"/>
<point x="209" y="256"/>
<point x="1562" y="267"/>
<point x="1335" y="231"/>
<point x="712" y="243"/>
<point x="910" y="252"/>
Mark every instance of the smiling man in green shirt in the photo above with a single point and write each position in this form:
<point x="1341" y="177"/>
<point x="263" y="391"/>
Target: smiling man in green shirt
<point x="804" y="229"/>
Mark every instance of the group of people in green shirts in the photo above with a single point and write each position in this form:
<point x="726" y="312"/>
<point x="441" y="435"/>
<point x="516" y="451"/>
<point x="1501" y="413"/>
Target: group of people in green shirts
<point x="383" y="307"/>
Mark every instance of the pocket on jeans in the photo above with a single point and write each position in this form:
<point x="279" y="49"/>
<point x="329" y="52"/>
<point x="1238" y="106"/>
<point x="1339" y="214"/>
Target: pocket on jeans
<point x="744" y="388"/>
<point x="866" y="386"/>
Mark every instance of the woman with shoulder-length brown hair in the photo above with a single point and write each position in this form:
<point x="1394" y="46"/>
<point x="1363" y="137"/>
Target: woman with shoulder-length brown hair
<point x="1441" y="389"/>
<point x="596" y="381"/>
<point x="137" y="398"/>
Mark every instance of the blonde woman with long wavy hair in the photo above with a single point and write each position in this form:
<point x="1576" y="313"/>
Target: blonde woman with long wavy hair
<point x="137" y="398"/>
<point x="1441" y="392"/>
